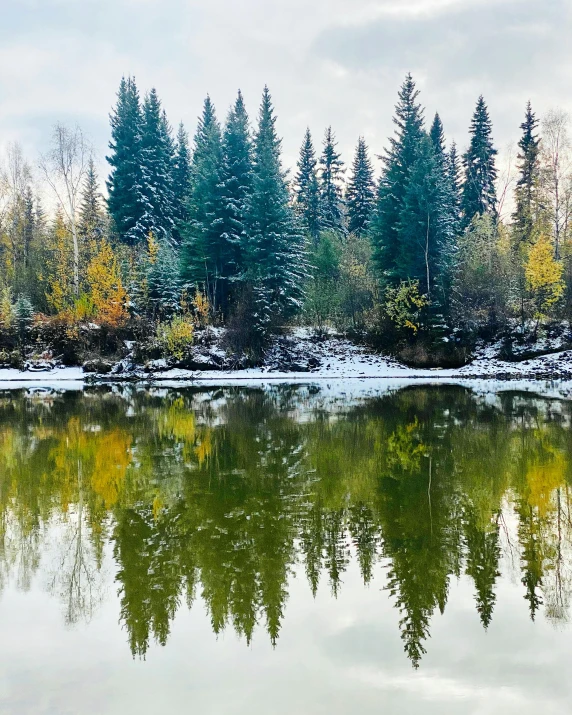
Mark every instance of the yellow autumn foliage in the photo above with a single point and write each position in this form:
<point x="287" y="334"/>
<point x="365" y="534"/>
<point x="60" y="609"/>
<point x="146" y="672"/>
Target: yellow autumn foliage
<point x="96" y="462"/>
<point x="543" y="276"/>
<point x="542" y="480"/>
<point x="176" y="336"/>
<point x="58" y="272"/>
<point x="106" y="290"/>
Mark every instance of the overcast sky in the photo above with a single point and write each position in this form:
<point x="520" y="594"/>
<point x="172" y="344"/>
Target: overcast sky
<point x="337" y="62"/>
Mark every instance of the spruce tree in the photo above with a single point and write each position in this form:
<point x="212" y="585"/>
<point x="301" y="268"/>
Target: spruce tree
<point x="449" y="186"/>
<point x="398" y="163"/>
<point x="235" y="190"/>
<point x="163" y="281"/>
<point x="479" y="193"/>
<point x="155" y="192"/>
<point x="425" y="225"/>
<point x="181" y="181"/>
<point x="275" y="245"/>
<point x="331" y="172"/>
<point x="454" y="174"/>
<point x="527" y="184"/>
<point x="307" y="191"/>
<point x="203" y="252"/>
<point x="360" y="194"/>
<point x="125" y="180"/>
<point x="437" y="136"/>
<point x="91" y="226"/>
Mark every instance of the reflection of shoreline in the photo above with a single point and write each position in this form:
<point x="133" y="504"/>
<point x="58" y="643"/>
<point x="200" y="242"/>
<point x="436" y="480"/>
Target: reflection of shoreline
<point x="218" y="493"/>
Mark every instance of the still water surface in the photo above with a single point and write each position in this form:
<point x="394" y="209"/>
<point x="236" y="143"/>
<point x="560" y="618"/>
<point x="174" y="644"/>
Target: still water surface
<point x="285" y="550"/>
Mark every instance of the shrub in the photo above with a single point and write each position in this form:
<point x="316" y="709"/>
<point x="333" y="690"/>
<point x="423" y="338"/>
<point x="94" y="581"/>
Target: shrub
<point x="176" y="336"/>
<point x="403" y="305"/>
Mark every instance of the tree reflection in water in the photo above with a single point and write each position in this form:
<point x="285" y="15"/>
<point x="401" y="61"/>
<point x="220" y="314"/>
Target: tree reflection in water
<point x="218" y="494"/>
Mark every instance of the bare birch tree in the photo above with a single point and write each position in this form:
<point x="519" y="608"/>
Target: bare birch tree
<point x="556" y="153"/>
<point x="64" y="168"/>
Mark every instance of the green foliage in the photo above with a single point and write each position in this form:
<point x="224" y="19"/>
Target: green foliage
<point x="527" y="185"/>
<point x="22" y="317"/>
<point x="404" y="304"/>
<point x="342" y="291"/>
<point x="203" y="253"/>
<point x="123" y="201"/>
<point x="479" y="192"/>
<point x="275" y="253"/>
<point x="236" y="189"/>
<point x="181" y="181"/>
<point x="307" y="190"/>
<point x="331" y="176"/>
<point x="360" y="193"/>
<point x="322" y="304"/>
<point x="398" y="163"/>
<point x="483" y="277"/>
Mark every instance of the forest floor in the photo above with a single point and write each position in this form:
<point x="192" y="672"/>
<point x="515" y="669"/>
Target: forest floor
<point x="299" y="356"/>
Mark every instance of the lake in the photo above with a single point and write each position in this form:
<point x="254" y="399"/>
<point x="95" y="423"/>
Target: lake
<point x="286" y="549"/>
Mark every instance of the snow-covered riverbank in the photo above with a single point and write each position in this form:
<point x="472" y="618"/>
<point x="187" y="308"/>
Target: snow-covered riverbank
<point x="332" y="359"/>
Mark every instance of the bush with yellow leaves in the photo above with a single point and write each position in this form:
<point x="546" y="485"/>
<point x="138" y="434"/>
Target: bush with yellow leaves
<point x="176" y="336"/>
<point x="403" y="305"/>
<point x="543" y="277"/>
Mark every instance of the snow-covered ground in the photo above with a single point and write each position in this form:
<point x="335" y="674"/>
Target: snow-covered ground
<point x="338" y="360"/>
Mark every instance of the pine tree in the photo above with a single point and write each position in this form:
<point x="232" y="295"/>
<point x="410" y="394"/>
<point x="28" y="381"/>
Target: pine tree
<point x="155" y="192"/>
<point x="307" y="192"/>
<point x="360" y="194"/>
<point x="125" y="180"/>
<point x="399" y="161"/>
<point x="479" y="193"/>
<point x="275" y="246"/>
<point x="527" y="184"/>
<point x="235" y="191"/>
<point x="331" y="171"/>
<point x="91" y="219"/>
<point x="203" y="253"/>
<point x="181" y="181"/>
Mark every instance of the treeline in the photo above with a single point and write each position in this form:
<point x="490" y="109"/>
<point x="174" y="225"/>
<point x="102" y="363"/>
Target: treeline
<point x="217" y="232"/>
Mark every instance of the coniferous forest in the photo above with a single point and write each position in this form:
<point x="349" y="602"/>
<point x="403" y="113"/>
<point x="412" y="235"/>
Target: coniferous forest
<point x="211" y="234"/>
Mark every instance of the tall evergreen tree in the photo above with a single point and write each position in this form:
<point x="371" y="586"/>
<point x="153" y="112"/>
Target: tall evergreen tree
<point x="181" y="180"/>
<point x="527" y="183"/>
<point x="155" y="193"/>
<point x="91" y="224"/>
<point x="235" y="192"/>
<point x="398" y="163"/>
<point x="125" y="180"/>
<point x="331" y="172"/>
<point x="437" y="136"/>
<point x="275" y="247"/>
<point x="454" y="173"/>
<point x="360" y="194"/>
<point x="479" y="192"/>
<point x="202" y="251"/>
<point x="448" y="169"/>
<point x="307" y="188"/>
<point x="425" y="225"/>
